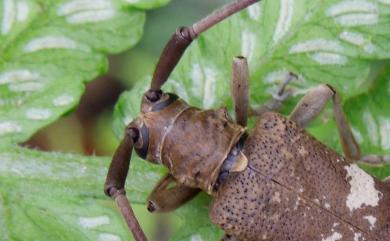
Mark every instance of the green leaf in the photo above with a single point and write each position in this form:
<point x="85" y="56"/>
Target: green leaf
<point x="199" y="227"/>
<point x="56" y="196"/>
<point x="128" y="106"/>
<point x="369" y="114"/>
<point x="49" y="49"/>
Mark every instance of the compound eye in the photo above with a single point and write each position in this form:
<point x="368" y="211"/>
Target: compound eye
<point x="141" y="143"/>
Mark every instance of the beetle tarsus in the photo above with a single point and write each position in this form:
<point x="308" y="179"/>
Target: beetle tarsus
<point x="278" y="98"/>
<point x="376" y="159"/>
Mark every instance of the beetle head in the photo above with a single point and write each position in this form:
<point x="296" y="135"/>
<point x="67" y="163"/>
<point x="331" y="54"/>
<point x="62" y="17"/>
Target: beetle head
<point x="154" y="122"/>
<point x="192" y="143"/>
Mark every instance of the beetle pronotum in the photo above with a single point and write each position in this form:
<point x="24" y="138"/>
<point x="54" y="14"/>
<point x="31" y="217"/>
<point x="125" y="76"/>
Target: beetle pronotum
<point x="275" y="182"/>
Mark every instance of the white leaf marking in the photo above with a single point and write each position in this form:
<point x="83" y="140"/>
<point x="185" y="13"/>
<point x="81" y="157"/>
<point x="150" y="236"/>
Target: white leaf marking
<point x="324" y="58"/>
<point x="363" y="191"/>
<point x="357" y="39"/>
<point x="353" y="38"/>
<point x="132" y="1"/>
<point x="197" y="80"/>
<point x="285" y="19"/>
<point x="196" y="237"/>
<point x="371" y="221"/>
<point x="180" y="89"/>
<point x="9" y="14"/>
<point x="76" y="6"/>
<point x="254" y="11"/>
<point x="276" y="76"/>
<point x="204" y="84"/>
<point x="335" y="236"/>
<point x="248" y="44"/>
<point x="358" y="136"/>
<point x="358" y="19"/>
<point x="371" y="127"/>
<point x="26" y="87"/>
<point x="384" y="124"/>
<point x="385" y="1"/>
<point x="317" y="45"/>
<point x="19" y="75"/>
<point x="86" y="11"/>
<point x="350" y="6"/>
<point x="33" y="167"/>
<point x="209" y="87"/>
<point x="7" y="127"/>
<point x="369" y="48"/>
<point x="93" y="222"/>
<point x="38" y="114"/>
<point x="127" y="119"/>
<point x="354" y="13"/>
<point x="49" y="42"/>
<point x="91" y="16"/>
<point x="63" y="100"/>
<point x="23" y="10"/>
<point x="109" y="237"/>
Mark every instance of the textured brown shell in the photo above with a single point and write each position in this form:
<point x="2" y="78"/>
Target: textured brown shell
<point x="197" y="144"/>
<point x="192" y="143"/>
<point x="295" y="189"/>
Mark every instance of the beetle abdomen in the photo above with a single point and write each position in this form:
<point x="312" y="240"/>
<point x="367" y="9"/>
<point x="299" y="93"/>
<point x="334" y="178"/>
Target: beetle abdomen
<point x="295" y="188"/>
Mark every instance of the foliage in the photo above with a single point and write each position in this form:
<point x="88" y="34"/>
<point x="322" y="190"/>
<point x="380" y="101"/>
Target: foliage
<point x="49" y="49"/>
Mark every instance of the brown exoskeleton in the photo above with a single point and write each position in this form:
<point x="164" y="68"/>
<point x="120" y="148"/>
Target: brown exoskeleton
<point x="275" y="182"/>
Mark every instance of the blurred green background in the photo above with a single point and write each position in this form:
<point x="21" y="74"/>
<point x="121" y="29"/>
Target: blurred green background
<point x="91" y="122"/>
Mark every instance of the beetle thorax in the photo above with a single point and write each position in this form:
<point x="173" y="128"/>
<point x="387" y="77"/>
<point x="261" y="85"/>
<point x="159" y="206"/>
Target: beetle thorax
<point x="192" y="143"/>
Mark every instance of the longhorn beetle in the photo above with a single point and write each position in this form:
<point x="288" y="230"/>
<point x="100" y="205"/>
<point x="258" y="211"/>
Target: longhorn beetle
<point x="275" y="182"/>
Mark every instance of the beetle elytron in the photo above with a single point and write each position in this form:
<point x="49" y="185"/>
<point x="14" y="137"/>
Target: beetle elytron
<point x="275" y="182"/>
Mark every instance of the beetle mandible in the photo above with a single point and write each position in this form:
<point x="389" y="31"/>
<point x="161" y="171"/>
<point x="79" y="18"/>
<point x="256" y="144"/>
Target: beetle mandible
<point x="275" y="182"/>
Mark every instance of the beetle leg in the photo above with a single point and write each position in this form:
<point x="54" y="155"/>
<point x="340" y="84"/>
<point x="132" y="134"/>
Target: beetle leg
<point x="240" y="89"/>
<point x="376" y="159"/>
<point x="229" y="238"/>
<point x="277" y="100"/>
<point x="313" y="103"/>
<point x="169" y="195"/>
<point x="115" y="182"/>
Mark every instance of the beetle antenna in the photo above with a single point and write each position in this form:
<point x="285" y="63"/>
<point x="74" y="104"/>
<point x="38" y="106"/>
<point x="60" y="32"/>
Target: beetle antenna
<point x="129" y="216"/>
<point x="182" y="38"/>
<point x="116" y="178"/>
